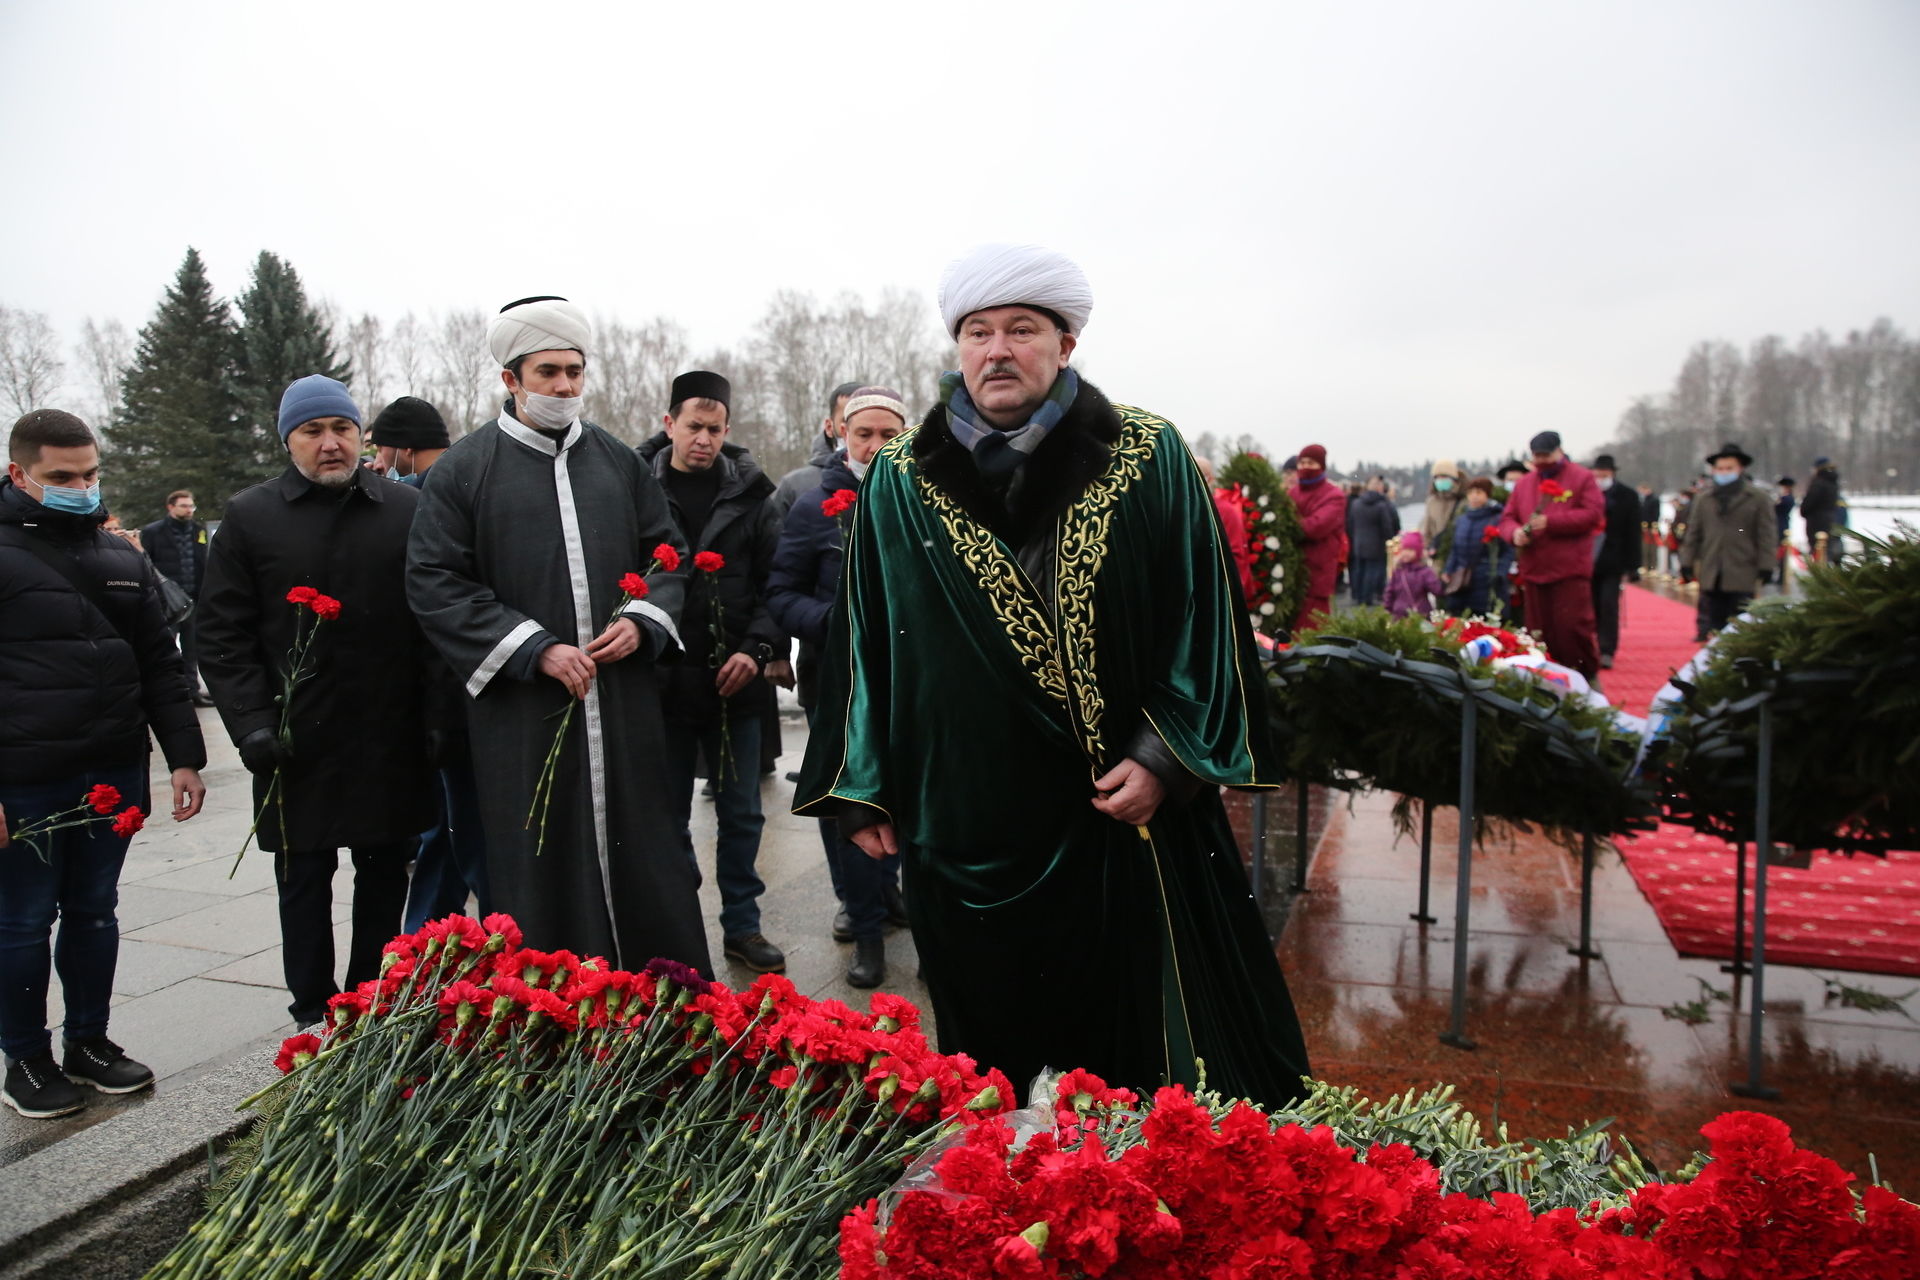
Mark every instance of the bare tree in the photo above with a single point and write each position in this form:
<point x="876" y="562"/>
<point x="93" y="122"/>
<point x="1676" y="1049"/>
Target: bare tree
<point x="103" y="352"/>
<point x="30" y="364"/>
<point x="631" y="374"/>
<point x="465" y="380"/>
<point x="410" y="358"/>
<point x="364" y="341"/>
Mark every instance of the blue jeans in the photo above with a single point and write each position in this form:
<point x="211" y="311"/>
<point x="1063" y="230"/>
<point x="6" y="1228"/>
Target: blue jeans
<point x="452" y="860"/>
<point x="1369" y="578"/>
<point x="78" y="884"/>
<point x="737" y="809"/>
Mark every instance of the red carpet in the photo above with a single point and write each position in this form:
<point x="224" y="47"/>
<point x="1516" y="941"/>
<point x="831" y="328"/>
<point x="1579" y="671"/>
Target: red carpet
<point x="1841" y="913"/>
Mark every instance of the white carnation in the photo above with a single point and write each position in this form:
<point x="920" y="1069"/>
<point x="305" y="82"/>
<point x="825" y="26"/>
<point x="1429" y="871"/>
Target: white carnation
<point x="1273" y="544"/>
<point x="1266" y="610"/>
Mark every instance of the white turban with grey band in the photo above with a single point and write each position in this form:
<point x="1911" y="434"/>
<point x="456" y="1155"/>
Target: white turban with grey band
<point x="537" y="324"/>
<point x="1004" y="275"/>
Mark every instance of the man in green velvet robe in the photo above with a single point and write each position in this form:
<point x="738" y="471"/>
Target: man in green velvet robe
<point x="1038" y="677"/>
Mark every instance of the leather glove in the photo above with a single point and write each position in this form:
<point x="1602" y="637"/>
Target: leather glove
<point x="261" y="752"/>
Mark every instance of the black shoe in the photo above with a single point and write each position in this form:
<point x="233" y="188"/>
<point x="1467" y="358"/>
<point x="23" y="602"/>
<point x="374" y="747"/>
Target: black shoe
<point x="39" y="1090"/>
<point x="794" y="776"/>
<point x="896" y="907"/>
<point x="101" y="1063"/>
<point x="755" y="952"/>
<point x="712" y="789"/>
<point x="202" y="700"/>
<point x="869" y="967"/>
<point x="1606" y="661"/>
<point x="842" y="926"/>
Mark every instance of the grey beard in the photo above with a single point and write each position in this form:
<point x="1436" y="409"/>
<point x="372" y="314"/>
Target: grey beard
<point x="329" y="480"/>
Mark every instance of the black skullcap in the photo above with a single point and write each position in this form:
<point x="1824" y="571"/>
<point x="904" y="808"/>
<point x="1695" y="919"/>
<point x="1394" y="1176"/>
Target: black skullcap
<point x="1545" y="442"/>
<point x="410" y="423"/>
<point x="698" y="384"/>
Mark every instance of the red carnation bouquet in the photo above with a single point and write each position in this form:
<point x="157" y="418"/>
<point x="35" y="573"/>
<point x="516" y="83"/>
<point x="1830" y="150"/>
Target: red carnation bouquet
<point x="837" y="504"/>
<point x="633" y="587"/>
<point x="98" y="805"/>
<point x="1554" y="491"/>
<point x="484" y="1108"/>
<point x="1507" y="644"/>
<point x="1182" y="1191"/>
<point x="310" y="609"/>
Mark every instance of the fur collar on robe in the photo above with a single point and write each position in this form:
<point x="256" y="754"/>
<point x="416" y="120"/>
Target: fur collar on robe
<point x="1074" y="455"/>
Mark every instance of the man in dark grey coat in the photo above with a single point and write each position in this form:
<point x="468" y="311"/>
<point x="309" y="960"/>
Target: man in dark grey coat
<point x="1729" y="541"/>
<point x="1371" y="520"/>
<point x="348" y="768"/>
<point x="1616" y="556"/>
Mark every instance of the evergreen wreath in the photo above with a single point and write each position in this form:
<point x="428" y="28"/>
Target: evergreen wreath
<point x="1273" y="539"/>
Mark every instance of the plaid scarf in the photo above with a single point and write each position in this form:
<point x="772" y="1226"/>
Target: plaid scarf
<point x="998" y="454"/>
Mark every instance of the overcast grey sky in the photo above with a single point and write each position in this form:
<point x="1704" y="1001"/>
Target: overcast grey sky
<point x="1399" y="229"/>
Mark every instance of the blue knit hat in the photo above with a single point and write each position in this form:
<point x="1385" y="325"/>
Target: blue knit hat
<point x="315" y="396"/>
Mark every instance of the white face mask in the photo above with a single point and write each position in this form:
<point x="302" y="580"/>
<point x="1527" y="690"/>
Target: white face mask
<point x="550" y="413"/>
<point x="858" y="468"/>
<point x="1605" y="484"/>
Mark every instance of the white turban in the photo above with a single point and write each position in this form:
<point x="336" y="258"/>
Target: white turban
<point x="1004" y="275"/>
<point x="545" y="324"/>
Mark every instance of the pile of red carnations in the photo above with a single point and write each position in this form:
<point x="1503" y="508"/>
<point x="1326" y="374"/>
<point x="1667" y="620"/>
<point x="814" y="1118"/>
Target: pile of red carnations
<point x="1175" y="1190"/>
<point x="484" y="1109"/>
<point x="1512" y="644"/>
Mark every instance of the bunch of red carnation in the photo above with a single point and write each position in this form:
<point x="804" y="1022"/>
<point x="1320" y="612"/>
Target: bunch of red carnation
<point x="100" y="802"/>
<point x="1511" y="644"/>
<point x="576" y="1116"/>
<point x="1222" y="1198"/>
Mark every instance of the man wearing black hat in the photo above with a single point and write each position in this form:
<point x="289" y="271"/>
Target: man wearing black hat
<point x="1729" y="543"/>
<point x="1616" y="554"/>
<point x="1820" y="506"/>
<point x="1783" y="508"/>
<point x="1555" y="510"/>
<point x="410" y="435"/>
<point x="715" y="702"/>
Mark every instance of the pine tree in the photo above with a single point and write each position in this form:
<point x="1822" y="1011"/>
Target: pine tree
<point x="282" y="338"/>
<point x="178" y="425"/>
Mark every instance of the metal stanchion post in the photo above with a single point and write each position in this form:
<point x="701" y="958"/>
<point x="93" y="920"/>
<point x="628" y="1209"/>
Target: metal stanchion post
<point x="1739" y="966"/>
<point x="1586" y="949"/>
<point x="1259" y="859"/>
<point x="1752" y="1087"/>
<point x="1426" y="863"/>
<point x="1456" y="1032"/>
<point x="1300" y="830"/>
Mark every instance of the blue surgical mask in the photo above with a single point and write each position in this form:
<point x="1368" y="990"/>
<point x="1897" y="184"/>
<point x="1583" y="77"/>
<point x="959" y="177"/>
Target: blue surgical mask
<point x="1725" y="477"/>
<point x="1444" y="484"/>
<point x="80" y="502"/>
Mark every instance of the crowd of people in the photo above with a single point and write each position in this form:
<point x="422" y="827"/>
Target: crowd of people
<point x="492" y="669"/>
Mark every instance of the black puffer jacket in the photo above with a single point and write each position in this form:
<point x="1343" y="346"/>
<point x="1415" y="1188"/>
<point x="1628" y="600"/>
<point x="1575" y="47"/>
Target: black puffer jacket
<point x="178" y="550"/>
<point x="744" y="527"/>
<point x="79" y="691"/>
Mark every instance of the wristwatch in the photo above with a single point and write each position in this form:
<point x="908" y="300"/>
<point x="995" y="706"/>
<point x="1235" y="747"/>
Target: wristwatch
<point x="761" y="653"/>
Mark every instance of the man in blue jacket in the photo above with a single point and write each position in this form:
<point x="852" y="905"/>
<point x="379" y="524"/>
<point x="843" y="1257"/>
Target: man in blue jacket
<point x="800" y="595"/>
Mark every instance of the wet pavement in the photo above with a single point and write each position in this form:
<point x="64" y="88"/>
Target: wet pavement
<point x="1562" y="1040"/>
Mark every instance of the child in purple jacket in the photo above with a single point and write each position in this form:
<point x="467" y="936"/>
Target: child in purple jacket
<point x="1412" y="586"/>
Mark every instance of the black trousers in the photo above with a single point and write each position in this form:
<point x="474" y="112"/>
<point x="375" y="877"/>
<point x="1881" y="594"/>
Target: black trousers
<point x="188" y="633"/>
<point x="1606" y="611"/>
<point x="305" y="881"/>
<point x="1723" y="607"/>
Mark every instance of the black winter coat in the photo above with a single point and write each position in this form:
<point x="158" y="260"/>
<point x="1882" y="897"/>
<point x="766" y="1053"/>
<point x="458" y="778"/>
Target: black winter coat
<point x="806" y="570"/>
<point x="744" y="527"/>
<point x="1371" y="520"/>
<point x="1620" y="552"/>
<point x="359" y="774"/>
<point x="1822" y="502"/>
<point x="182" y="558"/>
<point x="79" y="690"/>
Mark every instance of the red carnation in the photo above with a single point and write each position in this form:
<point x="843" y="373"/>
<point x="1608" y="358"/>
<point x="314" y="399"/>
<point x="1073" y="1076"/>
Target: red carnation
<point x="326" y="606"/>
<point x="668" y="557"/>
<point x="297" y="1051"/>
<point x="838" y="503"/>
<point x="634" y="585"/>
<point x="103" y="798"/>
<point x="1491" y="535"/>
<point x="1552" y="488"/>
<point x="129" y="821"/>
<point x="301" y="595"/>
<point x="709" y="562"/>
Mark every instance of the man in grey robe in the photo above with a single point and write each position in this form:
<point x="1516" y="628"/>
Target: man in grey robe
<point x="514" y="570"/>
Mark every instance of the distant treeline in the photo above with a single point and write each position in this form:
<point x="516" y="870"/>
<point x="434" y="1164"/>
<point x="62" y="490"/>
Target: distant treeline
<point x="1856" y="400"/>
